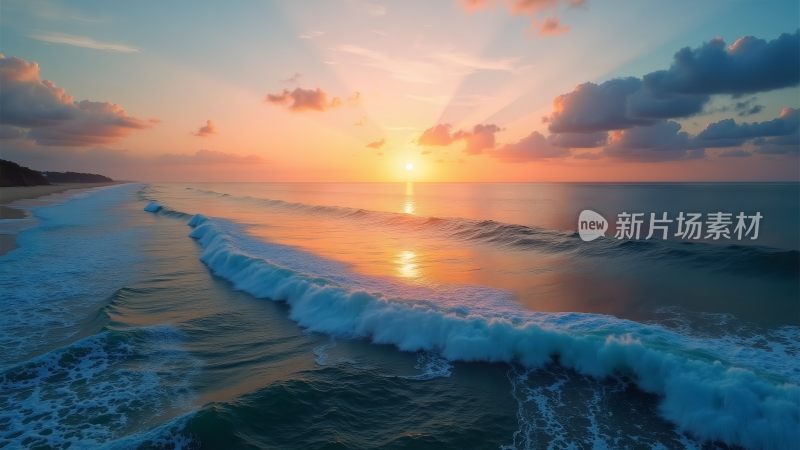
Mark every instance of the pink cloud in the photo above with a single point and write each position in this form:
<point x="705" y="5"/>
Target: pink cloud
<point x="206" y="130"/>
<point x="377" y="144"/>
<point x="51" y="116"/>
<point x="551" y="27"/>
<point x="438" y="135"/>
<point x="480" y="138"/>
<point x="301" y="99"/>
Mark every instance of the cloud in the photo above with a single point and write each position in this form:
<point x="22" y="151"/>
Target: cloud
<point x="84" y="42"/>
<point x="535" y="6"/>
<point x="579" y="140"/>
<point x="294" y="78"/>
<point x="301" y="99"/>
<point x="92" y="123"/>
<point x="11" y="132"/>
<point x="728" y="133"/>
<point x="748" y="65"/>
<point x="551" y="27"/>
<point x="481" y="137"/>
<point x="474" y="5"/>
<point x="596" y="107"/>
<point x="630" y="118"/>
<point x="747" y="107"/>
<point x="438" y="135"/>
<point x="736" y="153"/>
<point x="662" y="141"/>
<point x="530" y="148"/>
<point x="206" y="130"/>
<point x="50" y="116"/>
<point x="377" y="144"/>
<point x="588" y="155"/>
<point x="778" y="145"/>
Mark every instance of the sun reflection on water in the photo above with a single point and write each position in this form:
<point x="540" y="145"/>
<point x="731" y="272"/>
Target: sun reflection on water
<point x="407" y="265"/>
<point x="409" y="205"/>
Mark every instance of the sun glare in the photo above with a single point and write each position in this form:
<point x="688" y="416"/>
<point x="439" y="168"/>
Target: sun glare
<point x="409" y="167"/>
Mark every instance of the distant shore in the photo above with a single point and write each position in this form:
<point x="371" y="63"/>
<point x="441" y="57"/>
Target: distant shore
<point x="12" y="194"/>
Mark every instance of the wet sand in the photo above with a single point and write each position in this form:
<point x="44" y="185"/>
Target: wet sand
<point x="14" y="193"/>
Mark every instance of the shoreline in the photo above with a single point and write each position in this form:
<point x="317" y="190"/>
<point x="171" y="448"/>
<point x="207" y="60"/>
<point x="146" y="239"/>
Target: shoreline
<point x="8" y="195"/>
<point x="14" y="193"/>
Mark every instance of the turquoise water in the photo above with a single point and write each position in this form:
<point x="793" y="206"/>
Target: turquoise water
<point x="444" y="316"/>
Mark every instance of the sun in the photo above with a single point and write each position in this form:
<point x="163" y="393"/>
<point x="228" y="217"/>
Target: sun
<point x="409" y="167"/>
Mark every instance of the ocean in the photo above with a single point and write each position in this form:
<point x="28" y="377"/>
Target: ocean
<point x="398" y="315"/>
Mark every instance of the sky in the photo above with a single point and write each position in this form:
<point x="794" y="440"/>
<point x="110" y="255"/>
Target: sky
<point x="357" y="90"/>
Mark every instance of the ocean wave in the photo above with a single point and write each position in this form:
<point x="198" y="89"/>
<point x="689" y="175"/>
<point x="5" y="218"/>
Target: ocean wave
<point x="95" y="390"/>
<point x="749" y="260"/>
<point x="702" y="392"/>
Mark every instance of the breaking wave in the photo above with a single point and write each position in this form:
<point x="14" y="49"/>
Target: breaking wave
<point x="702" y="391"/>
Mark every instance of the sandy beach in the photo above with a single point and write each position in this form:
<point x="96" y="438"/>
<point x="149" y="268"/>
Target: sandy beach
<point x="15" y="193"/>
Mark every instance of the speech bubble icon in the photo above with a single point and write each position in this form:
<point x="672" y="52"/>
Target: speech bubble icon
<point x="591" y="225"/>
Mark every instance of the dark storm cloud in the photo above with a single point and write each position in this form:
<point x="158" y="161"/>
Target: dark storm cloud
<point x="662" y="141"/>
<point x="579" y="140"/>
<point x="748" y="65"/>
<point x="729" y="133"/>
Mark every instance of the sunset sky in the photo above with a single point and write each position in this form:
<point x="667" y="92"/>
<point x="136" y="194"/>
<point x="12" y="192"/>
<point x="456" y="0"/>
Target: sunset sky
<point x="353" y="90"/>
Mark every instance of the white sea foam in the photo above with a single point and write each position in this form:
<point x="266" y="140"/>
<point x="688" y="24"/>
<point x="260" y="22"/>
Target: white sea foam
<point x="94" y="390"/>
<point x="73" y="259"/>
<point x="431" y="365"/>
<point x="321" y="352"/>
<point x="701" y="391"/>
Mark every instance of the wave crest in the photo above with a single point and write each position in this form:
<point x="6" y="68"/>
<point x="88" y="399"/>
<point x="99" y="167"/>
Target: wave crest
<point x="710" y="398"/>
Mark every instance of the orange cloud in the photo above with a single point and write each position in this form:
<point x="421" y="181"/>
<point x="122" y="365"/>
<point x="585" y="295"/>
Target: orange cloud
<point x="480" y="138"/>
<point x="535" y="6"/>
<point x="301" y="99"/>
<point x="377" y="144"/>
<point x="206" y="130"/>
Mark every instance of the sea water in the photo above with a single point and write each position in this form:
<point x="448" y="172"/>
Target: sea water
<point x="310" y="315"/>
